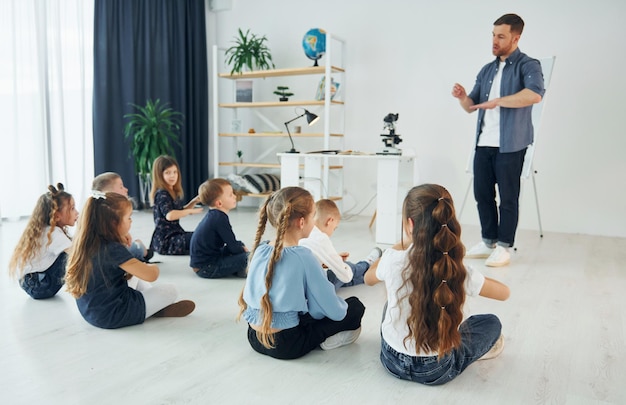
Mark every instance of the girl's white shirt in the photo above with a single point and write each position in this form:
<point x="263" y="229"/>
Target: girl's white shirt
<point x="48" y="253"/>
<point x="394" y="328"/>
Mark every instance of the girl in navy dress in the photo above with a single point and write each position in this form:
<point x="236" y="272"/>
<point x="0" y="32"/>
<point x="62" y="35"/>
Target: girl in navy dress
<point x="39" y="257"/>
<point x="99" y="266"/>
<point x="169" y="238"/>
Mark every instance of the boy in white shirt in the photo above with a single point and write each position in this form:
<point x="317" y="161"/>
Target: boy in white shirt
<point x="340" y="272"/>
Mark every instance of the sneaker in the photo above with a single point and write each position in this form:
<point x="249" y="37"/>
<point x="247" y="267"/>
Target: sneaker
<point x="495" y="350"/>
<point x="176" y="310"/>
<point x="374" y="255"/>
<point x="340" y="339"/>
<point x="479" y="251"/>
<point x="499" y="257"/>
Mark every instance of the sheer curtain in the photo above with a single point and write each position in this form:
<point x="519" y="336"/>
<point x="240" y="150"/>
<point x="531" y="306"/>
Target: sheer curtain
<point x="46" y="82"/>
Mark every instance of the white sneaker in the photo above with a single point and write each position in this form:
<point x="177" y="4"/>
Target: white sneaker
<point x="340" y="339"/>
<point x="374" y="255"/>
<point x="495" y="350"/>
<point x="500" y="257"/>
<point x="479" y="251"/>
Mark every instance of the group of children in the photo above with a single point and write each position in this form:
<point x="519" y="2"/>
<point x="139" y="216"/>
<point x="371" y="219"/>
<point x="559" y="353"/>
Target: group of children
<point x="289" y="298"/>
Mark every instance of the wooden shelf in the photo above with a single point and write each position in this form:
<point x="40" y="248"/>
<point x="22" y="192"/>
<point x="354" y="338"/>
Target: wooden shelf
<point x="260" y="74"/>
<point x="259" y="104"/>
<point x="276" y="134"/>
<point x="260" y="165"/>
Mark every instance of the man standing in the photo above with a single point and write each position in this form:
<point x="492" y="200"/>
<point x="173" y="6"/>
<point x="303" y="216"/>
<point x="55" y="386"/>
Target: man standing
<point x="504" y="93"/>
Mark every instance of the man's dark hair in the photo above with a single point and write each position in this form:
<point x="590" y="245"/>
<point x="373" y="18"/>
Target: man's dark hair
<point x="515" y="21"/>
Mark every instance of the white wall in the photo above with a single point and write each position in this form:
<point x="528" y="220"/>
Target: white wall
<point x="405" y="56"/>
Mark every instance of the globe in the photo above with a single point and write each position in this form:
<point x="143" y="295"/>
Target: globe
<point x="314" y="44"/>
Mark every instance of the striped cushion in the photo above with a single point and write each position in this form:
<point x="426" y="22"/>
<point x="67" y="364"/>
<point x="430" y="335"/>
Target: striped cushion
<point x="261" y="183"/>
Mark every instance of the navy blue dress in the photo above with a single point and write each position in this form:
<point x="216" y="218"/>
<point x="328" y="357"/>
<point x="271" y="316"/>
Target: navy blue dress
<point x="109" y="302"/>
<point x="169" y="238"/>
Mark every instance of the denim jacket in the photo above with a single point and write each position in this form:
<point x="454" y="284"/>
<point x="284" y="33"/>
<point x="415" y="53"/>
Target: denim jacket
<point x="520" y="72"/>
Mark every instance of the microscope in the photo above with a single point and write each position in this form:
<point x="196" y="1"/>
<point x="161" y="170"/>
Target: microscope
<point x="391" y="139"/>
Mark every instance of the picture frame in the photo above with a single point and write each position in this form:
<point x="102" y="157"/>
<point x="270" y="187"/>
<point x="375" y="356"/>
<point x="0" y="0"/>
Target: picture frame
<point x="243" y="91"/>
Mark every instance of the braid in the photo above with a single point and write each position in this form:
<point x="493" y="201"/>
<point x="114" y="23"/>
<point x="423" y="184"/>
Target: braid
<point x="257" y="240"/>
<point x="265" y="336"/>
<point x="434" y="277"/>
<point x="446" y="272"/>
<point x="280" y="210"/>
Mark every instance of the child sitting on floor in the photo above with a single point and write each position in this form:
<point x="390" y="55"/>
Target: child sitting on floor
<point x="340" y="272"/>
<point x="99" y="266"/>
<point x="424" y="336"/>
<point x="112" y="182"/>
<point x="289" y="305"/>
<point x="39" y="257"/>
<point x="214" y="250"/>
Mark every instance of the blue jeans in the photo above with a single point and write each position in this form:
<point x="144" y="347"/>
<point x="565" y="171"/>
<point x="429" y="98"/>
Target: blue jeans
<point x="504" y="169"/>
<point x="225" y="266"/>
<point x="358" y="272"/>
<point x="478" y="334"/>
<point x="47" y="283"/>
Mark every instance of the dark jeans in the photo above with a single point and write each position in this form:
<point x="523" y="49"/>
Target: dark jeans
<point x="47" y="283"/>
<point x="479" y="334"/>
<point x="504" y="169"/>
<point x="358" y="273"/>
<point x="225" y="266"/>
<point x="295" y="342"/>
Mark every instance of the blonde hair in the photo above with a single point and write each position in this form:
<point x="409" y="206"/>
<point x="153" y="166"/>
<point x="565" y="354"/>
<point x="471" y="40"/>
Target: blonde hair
<point x="104" y="181"/>
<point x="325" y="208"/>
<point x="435" y="270"/>
<point x="281" y="209"/>
<point x="159" y="166"/>
<point x="211" y="190"/>
<point x="44" y="214"/>
<point x="98" y="224"/>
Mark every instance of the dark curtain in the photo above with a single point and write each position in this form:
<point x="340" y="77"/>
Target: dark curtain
<point x="150" y="49"/>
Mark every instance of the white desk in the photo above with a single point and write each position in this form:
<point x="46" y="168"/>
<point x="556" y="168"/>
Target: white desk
<point x="390" y="190"/>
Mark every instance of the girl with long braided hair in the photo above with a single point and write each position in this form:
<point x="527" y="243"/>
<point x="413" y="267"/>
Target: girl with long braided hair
<point x="424" y="337"/>
<point x="40" y="255"/>
<point x="289" y="304"/>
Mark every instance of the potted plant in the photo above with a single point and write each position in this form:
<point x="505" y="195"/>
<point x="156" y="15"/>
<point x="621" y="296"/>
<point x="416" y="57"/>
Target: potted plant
<point x="249" y="51"/>
<point x="283" y="92"/>
<point x="152" y="131"/>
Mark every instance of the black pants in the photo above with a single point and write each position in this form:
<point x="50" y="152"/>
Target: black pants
<point x="504" y="169"/>
<point x="295" y="342"/>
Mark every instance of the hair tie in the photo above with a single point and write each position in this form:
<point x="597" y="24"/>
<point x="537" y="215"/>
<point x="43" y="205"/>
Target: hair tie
<point x="440" y="198"/>
<point x="96" y="195"/>
<point x="442" y="225"/>
<point x="445" y="253"/>
<point x="443" y="308"/>
<point x="444" y="281"/>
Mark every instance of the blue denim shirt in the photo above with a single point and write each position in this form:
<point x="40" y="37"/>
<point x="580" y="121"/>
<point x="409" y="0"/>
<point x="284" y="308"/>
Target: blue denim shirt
<point x="520" y="72"/>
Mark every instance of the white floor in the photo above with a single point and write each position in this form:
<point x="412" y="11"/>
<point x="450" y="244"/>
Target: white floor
<point x="564" y="326"/>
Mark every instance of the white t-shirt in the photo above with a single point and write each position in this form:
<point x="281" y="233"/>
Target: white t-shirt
<point x="394" y="328"/>
<point x="48" y="253"/>
<point x="490" y="134"/>
<point x="325" y="252"/>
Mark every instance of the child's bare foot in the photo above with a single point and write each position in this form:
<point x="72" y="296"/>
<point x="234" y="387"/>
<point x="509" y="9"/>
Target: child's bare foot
<point x="176" y="310"/>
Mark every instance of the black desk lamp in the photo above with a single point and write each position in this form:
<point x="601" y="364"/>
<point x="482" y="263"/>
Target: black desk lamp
<point x="310" y="118"/>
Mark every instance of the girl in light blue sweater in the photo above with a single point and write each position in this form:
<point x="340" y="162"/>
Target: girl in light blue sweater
<point x="289" y="304"/>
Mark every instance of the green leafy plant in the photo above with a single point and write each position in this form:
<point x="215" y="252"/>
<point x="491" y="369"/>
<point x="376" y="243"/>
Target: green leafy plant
<point x="283" y="92"/>
<point x="152" y="132"/>
<point x="249" y="50"/>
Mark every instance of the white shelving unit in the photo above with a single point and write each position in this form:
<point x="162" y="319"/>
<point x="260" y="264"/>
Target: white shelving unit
<point x="261" y="153"/>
